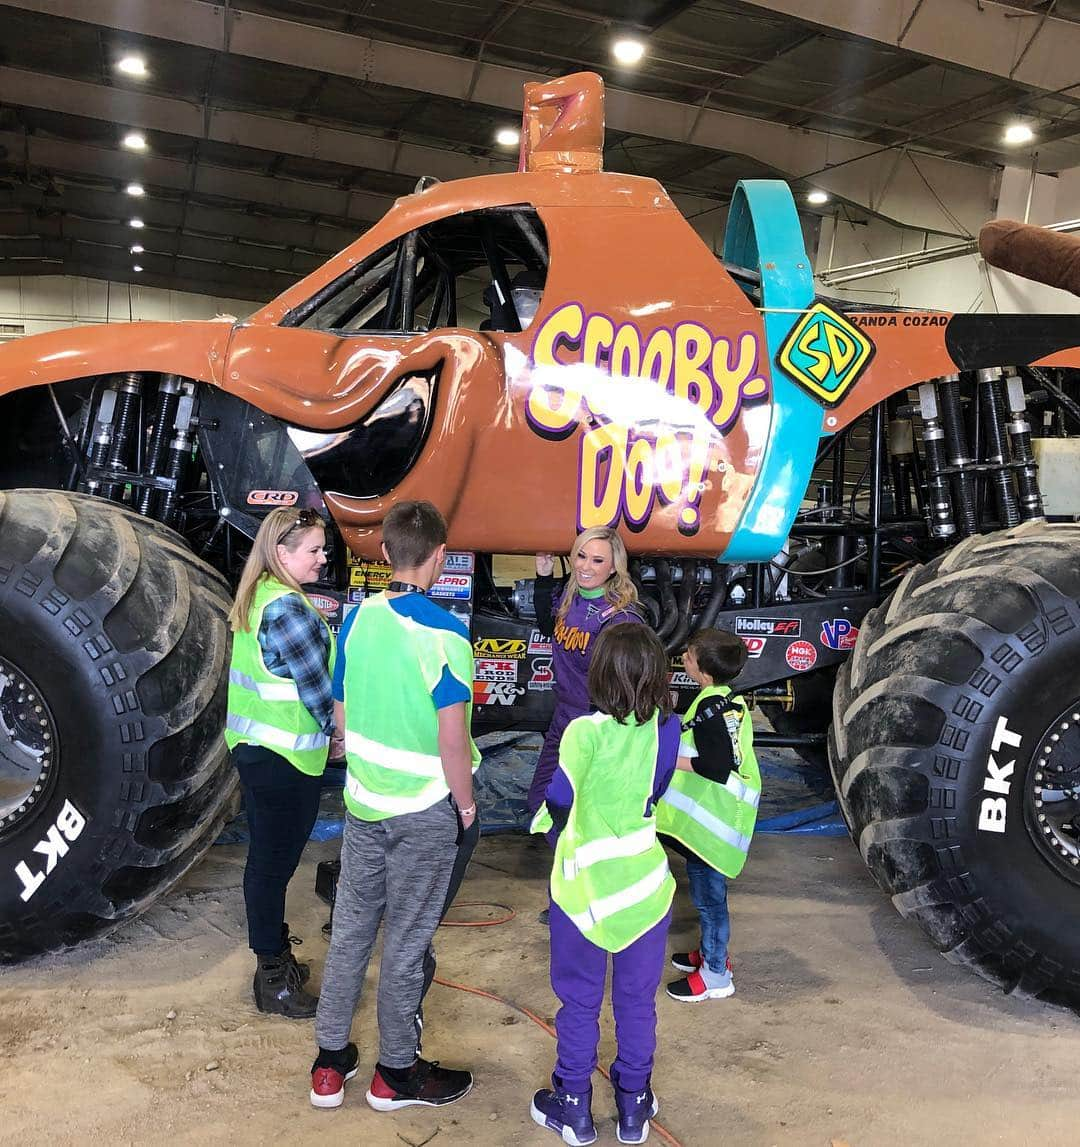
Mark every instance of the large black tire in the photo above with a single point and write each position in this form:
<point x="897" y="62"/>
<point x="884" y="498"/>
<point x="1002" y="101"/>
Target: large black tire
<point x="114" y="777"/>
<point x="955" y="741"/>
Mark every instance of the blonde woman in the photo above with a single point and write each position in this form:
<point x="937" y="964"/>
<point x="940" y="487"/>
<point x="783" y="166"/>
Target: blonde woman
<point x="597" y="593"/>
<point x="280" y="728"/>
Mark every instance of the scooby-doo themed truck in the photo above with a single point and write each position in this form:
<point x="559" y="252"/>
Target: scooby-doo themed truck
<point x="853" y="491"/>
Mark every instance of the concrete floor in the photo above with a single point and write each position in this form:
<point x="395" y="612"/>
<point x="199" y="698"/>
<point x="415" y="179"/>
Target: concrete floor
<point x="845" y="1028"/>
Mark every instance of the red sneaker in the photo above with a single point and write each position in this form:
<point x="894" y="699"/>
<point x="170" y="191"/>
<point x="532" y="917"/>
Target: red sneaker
<point x="329" y="1073"/>
<point x="686" y="961"/>
<point x="693" y="989"/>
<point x="428" y="1085"/>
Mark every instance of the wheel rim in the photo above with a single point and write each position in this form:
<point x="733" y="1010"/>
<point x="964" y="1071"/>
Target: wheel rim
<point x="1052" y="794"/>
<point x="28" y="745"/>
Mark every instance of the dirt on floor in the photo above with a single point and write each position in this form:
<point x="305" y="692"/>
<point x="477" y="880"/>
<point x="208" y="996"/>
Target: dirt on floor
<point x="845" y="1028"/>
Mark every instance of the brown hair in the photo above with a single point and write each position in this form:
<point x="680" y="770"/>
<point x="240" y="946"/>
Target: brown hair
<point x="286" y="527"/>
<point x="721" y="655"/>
<point x="412" y="532"/>
<point x="629" y="673"/>
<point x="619" y="590"/>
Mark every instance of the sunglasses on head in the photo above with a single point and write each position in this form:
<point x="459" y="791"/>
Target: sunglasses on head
<point x="305" y="519"/>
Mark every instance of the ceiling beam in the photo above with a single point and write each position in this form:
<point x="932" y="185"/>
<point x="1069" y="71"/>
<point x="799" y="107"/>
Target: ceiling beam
<point x="1026" y="48"/>
<point x="840" y="164"/>
<point x="315" y="199"/>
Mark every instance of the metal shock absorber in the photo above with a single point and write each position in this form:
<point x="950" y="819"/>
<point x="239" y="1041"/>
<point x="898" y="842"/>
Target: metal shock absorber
<point x="939" y="504"/>
<point x="993" y="410"/>
<point x="901" y="449"/>
<point x="963" y="488"/>
<point x="180" y="448"/>
<point x="1027" y="470"/>
<point x="103" y="434"/>
<point x="164" y="419"/>
<point x="124" y="428"/>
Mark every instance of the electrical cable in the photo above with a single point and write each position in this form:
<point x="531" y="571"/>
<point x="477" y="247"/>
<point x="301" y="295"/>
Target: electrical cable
<point x="816" y="573"/>
<point x="656" y="1126"/>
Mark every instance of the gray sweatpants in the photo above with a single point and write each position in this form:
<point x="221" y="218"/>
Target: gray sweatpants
<point x="397" y="871"/>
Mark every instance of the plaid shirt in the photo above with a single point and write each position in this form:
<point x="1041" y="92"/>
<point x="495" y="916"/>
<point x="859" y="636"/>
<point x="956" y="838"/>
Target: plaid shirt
<point x="296" y="645"/>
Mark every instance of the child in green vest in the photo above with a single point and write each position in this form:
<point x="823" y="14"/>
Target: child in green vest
<point x="611" y="889"/>
<point x="709" y="810"/>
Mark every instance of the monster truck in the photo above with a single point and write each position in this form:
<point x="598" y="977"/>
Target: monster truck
<point x="714" y="411"/>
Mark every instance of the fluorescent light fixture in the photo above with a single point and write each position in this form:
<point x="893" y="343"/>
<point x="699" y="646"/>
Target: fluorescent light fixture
<point x="1018" y="133"/>
<point x="132" y="66"/>
<point x="628" y="51"/>
<point x="135" y="141"/>
<point x="817" y="198"/>
<point x="137" y="249"/>
<point x="138" y="224"/>
<point x="135" y="189"/>
<point x="136" y="267"/>
<point x="508" y="137"/>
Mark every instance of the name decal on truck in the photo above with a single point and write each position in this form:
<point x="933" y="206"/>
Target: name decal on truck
<point x="650" y="406"/>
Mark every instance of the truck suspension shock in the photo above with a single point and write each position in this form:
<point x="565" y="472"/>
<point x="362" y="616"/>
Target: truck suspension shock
<point x="939" y="504"/>
<point x="180" y="448"/>
<point x="168" y="399"/>
<point x="1031" y="506"/>
<point x="125" y="424"/>
<point x="102" y="437"/>
<point x="993" y="409"/>
<point x="960" y="459"/>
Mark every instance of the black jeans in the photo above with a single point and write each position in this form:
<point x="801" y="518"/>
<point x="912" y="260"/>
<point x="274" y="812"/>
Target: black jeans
<point x="281" y="805"/>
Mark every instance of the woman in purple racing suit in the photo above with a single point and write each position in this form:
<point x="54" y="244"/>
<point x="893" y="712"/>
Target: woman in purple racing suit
<point x="597" y="593"/>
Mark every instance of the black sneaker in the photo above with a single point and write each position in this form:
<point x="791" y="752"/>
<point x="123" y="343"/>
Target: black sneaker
<point x="428" y="1085"/>
<point x="279" y="991"/>
<point x="328" y="1075"/>
<point x="287" y="941"/>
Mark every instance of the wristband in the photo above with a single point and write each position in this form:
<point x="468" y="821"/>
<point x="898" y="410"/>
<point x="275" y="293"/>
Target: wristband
<point x="468" y="811"/>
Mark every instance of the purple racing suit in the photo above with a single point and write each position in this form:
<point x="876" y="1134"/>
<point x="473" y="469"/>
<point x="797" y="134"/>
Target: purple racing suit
<point x="572" y="642"/>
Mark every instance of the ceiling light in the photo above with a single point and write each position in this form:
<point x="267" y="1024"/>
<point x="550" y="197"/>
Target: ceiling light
<point x="135" y="189"/>
<point x="817" y="198"/>
<point x="132" y="66"/>
<point x="1018" y="133"/>
<point x="136" y="267"/>
<point x="136" y="223"/>
<point x="628" y="51"/>
<point x="508" y="137"/>
<point x="135" y="141"/>
<point x="137" y="249"/>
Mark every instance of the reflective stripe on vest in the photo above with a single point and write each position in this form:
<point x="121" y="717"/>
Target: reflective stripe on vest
<point x="279" y="738"/>
<point x="740" y="790"/>
<point x="400" y="760"/>
<point x="609" y="848"/>
<point x="702" y="816"/>
<point x="636" y="893"/>
<point x="267" y="690"/>
<point x="391" y="805"/>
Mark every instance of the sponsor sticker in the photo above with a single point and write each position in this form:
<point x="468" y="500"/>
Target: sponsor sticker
<point x="768" y="626"/>
<point x="373" y="576"/>
<point x="755" y="646"/>
<point x="538" y="643"/>
<point x="453" y="585"/>
<point x="496" y="692"/>
<point x="800" y="656"/>
<point x="492" y="669"/>
<point x="272" y="497"/>
<point x="459" y="563"/>
<point x="839" y="633"/>
<point x="356" y="596"/>
<point x="681" y="680"/>
<point x="325" y="605"/>
<point x="543" y="676"/>
<point x="500" y="647"/>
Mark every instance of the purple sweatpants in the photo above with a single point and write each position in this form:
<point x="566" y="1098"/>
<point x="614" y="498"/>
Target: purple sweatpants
<point x="578" y="971"/>
<point x="548" y="760"/>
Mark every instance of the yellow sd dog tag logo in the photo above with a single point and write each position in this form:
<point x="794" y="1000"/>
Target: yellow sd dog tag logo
<point x="825" y="354"/>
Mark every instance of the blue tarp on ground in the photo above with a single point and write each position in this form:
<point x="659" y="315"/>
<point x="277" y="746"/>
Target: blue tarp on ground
<point x="795" y="798"/>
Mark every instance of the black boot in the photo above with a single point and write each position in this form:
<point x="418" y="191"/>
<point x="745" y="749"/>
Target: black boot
<point x="287" y="941"/>
<point x="278" y="988"/>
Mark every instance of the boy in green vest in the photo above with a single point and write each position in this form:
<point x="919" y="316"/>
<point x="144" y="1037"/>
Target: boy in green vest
<point x="403" y="693"/>
<point x="708" y="811"/>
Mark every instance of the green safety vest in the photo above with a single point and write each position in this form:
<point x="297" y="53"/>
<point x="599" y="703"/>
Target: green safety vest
<point x="265" y="709"/>
<point x="392" y="665"/>
<point x="716" y="821"/>
<point x="610" y="874"/>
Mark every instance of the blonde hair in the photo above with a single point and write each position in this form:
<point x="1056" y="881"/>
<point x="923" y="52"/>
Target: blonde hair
<point x="619" y="590"/>
<point x="278" y="528"/>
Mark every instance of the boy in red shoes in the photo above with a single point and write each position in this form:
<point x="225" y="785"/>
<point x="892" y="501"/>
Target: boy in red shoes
<point x="709" y="810"/>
